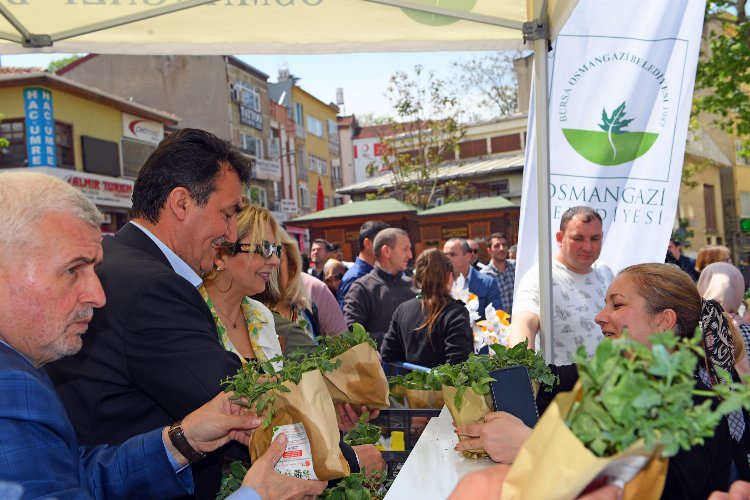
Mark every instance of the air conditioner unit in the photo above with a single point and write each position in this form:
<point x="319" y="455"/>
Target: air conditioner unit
<point x="235" y="93"/>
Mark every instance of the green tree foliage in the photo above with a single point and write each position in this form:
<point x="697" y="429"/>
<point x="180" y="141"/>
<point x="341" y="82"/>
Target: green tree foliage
<point x="424" y="133"/>
<point x="490" y="81"/>
<point x="723" y="76"/>
<point x="61" y="63"/>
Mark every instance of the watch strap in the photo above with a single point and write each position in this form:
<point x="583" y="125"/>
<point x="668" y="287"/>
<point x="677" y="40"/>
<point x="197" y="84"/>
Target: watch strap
<point x="179" y="441"/>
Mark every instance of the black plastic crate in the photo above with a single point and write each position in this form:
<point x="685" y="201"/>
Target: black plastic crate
<point x="409" y="421"/>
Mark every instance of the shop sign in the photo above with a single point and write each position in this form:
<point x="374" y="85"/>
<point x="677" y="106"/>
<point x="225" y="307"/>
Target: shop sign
<point x="289" y="206"/>
<point x="455" y="232"/>
<point x="143" y="130"/>
<point x="102" y="190"/>
<point x="251" y="117"/>
<point x="745" y="225"/>
<point x="40" y="127"/>
<point x="267" y="169"/>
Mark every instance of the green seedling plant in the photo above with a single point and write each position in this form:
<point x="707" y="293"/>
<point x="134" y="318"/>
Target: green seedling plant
<point x="257" y="384"/>
<point x="632" y="392"/>
<point x="339" y="344"/>
<point x="233" y="480"/>
<point x="418" y="380"/>
<point x="363" y="433"/>
<point x="358" y="486"/>
<point x="474" y="373"/>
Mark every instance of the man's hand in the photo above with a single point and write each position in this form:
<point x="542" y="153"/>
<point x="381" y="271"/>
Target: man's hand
<point x="270" y="484"/>
<point x="370" y="459"/>
<point x="214" y="424"/>
<point x="740" y="490"/>
<point x="501" y="435"/>
<point x="348" y="416"/>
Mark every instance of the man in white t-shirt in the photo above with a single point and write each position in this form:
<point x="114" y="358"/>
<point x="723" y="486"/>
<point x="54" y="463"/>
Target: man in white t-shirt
<point x="578" y="288"/>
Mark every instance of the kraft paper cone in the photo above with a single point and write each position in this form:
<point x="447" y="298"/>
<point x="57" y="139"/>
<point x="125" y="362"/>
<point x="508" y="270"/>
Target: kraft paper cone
<point x="553" y="463"/>
<point x="309" y="403"/>
<point x="423" y="399"/>
<point x="360" y="379"/>
<point x="473" y="409"/>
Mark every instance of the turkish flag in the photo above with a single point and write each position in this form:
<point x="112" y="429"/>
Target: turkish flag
<point x="320" y="203"/>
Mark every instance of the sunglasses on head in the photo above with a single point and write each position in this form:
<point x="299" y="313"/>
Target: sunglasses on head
<point x="265" y="249"/>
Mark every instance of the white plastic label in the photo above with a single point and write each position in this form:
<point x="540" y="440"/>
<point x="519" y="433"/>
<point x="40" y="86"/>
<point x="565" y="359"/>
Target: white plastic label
<point x="297" y="459"/>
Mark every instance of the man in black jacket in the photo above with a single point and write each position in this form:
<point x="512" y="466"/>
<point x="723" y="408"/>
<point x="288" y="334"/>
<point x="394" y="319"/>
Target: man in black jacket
<point x="153" y="354"/>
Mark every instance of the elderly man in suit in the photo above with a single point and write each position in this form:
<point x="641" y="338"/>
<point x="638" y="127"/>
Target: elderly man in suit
<point x="481" y="285"/>
<point x="51" y="242"/>
<point x="154" y="353"/>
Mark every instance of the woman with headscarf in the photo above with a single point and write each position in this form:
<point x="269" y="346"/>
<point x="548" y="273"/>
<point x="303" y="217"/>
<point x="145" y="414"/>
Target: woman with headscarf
<point x="724" y="283"/>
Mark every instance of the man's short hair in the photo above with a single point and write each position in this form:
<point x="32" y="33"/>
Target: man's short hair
<point x="387" y="237"/>
<point x="464" y="244"/>
<point x="321" y="241"/>
<point x="586" y="214"/>
<point x="497" y="236"/>
<point x="675" y="242"/>
<point x="26" y="197"/>
<point x="333" y="247"/>
<point x="369" y="230"/>
<point x="189" y="158"/>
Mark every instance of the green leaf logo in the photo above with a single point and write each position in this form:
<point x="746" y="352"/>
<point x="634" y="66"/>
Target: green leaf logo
<point x="614" y="145"/>
<point x="436" y="19"/>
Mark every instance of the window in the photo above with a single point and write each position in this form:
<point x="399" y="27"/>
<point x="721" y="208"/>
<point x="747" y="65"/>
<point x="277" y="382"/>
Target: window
<point x="709" y="202"/>
<point x="318" y="164"/>
<point x="304" y="196"/>
<point x="745" y="203"/>
<point x="249" y="95"/>
<point x="301" y="165"/>
<point x="251" y="145"/>
<point x="276" y="190"/>
<point x="15" y="154"/>
<point x="333" y="132"/>
<point x="299" y="114"/>
<point x="258" y="196"/>
<point x="314" y="126"/>
<point x="336" y="173"/>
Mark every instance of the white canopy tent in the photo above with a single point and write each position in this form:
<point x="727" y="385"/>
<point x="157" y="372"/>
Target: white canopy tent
<point x="304" y="27"/>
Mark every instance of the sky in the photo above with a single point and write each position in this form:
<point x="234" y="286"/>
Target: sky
<point x="363" y="77"/>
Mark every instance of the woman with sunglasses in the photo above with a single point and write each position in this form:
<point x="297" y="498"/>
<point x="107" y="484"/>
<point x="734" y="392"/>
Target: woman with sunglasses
<point x="241" y="269"/>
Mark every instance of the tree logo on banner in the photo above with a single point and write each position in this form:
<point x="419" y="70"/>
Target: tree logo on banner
<point x="436" y="19"/>
<point x="613" y="145"/>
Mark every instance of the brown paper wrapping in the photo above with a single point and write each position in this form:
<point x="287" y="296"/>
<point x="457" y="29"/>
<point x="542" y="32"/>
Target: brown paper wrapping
<point x="309" y="403"/>
<point x="360" y="379"/>
<point x="473" y="409"/>
<point x="554" y="464"/>
<point x="423" y="399"/>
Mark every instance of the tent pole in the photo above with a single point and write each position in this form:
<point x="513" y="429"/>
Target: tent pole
<point x="540" y="37"/>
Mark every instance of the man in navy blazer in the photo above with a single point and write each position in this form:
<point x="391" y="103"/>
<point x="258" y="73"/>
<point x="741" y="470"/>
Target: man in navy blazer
<point x="482" y="285"/>
<point x="50" y="241"/>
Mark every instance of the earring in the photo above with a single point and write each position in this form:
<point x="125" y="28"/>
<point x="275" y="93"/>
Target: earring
<point x="231" y="281"/>
<point x="219" y="268"/>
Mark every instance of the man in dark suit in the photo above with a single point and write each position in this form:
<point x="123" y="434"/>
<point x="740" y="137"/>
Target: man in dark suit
<point x="154" y="352"/>
<point x="481" y="285"/>
<point x="51" y="242"/>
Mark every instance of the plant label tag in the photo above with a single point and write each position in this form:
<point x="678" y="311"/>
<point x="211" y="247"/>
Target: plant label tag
<point x="297" y="459"/>
<point x="624" y="469"/>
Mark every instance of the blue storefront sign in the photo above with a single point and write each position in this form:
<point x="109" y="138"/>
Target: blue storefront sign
<point x="40" y="127"/>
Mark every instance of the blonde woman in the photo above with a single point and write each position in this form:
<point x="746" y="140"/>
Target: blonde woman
<point x="241" y="269"/>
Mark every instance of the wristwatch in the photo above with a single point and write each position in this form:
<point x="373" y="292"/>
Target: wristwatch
<point x="179" y="441"/>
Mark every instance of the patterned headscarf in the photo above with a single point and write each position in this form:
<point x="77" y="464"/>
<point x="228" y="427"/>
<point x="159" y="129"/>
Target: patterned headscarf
<point x="719" y="347"/>
<point x="723" y="282"/>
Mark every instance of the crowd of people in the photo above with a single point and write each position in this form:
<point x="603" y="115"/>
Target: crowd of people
<point x="199" y="282"/>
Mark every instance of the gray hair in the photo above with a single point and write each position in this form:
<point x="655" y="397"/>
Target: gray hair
<point x="464" y="244"/>
<point x="26" y="197"/>
<point x="387" y="237"/>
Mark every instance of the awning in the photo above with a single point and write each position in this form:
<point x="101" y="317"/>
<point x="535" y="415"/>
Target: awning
<point x="265" y="26"/>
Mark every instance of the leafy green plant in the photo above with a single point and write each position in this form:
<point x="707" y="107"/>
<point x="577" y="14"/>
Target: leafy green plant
<point x="233" y="481"/>
<point x="257" y="383"/>
<point x="363" y="432"/>
<point x="474" y="373"/>
<point x="418" y="380"/>
<point x="339" y="344"/>
<point x="633" y="392"/>
<point x="358" y="486"/>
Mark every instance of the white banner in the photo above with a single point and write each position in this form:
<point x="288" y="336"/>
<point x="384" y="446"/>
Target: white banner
<point x="621" y="84"/>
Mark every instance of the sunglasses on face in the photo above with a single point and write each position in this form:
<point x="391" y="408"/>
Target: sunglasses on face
<point x="265" y="249"/>
<point x="474" y="250"/>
